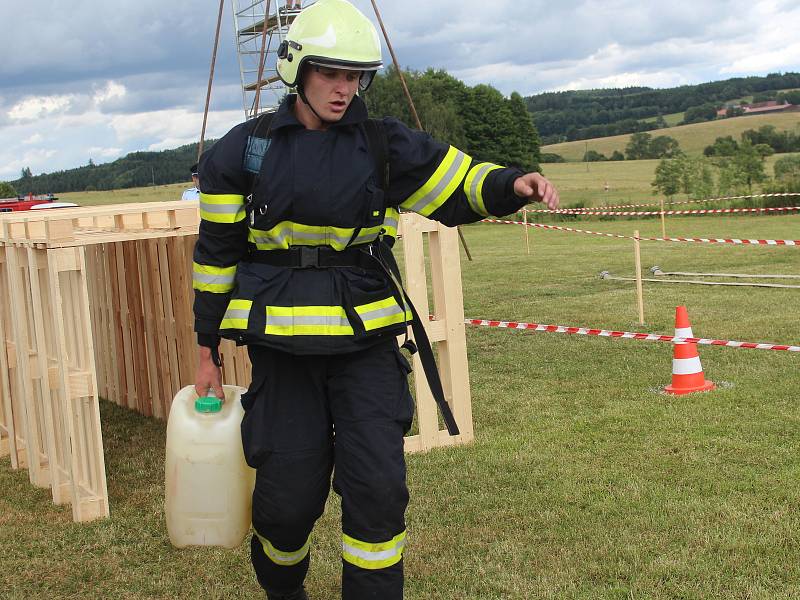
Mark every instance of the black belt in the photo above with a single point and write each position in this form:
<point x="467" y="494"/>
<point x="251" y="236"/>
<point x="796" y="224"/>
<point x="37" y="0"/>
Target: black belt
<point x="307" y="257"/>
<point x="368" y="256"/>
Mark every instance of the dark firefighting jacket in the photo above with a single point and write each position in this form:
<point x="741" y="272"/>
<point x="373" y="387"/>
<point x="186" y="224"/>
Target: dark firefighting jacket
<point x="320" y="189"/>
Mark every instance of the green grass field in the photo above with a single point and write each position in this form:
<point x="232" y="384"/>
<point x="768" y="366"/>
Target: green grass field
<point x="158" y="193"/>
<point x="584" y="481"/>
<point x="629" y="181"/>
<point x="671" y="119"/>
<point x="692" y="138"/>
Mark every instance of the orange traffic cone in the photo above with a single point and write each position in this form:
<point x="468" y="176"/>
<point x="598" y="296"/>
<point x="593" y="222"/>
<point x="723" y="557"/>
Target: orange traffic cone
<point x="687" y="372"/>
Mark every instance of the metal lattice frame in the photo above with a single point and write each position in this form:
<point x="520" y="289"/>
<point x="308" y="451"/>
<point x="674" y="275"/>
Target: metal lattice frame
<point x="249" y="19"/>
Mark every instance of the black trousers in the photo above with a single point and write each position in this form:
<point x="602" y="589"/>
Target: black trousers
<point x="309" y="416"/>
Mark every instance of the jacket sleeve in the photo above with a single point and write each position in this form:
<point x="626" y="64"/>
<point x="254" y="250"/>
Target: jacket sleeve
<point x="443" y="183"/>
<point x="222" y="239"/>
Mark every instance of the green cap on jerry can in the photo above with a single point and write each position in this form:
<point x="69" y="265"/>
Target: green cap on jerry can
<point x="208" y="404"/>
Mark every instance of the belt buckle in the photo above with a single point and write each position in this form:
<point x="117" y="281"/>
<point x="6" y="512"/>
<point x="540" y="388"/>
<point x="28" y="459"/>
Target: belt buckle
<point x="309" y="257"/>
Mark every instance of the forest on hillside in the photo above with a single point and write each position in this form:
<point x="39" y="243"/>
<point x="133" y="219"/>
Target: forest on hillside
<point x="477" y="119"/>
<point x="137" y="169"/>
<point x="586" y="114"/>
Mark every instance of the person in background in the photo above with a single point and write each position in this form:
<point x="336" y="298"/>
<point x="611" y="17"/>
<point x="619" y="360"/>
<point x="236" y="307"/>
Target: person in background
<point x="193" y="193"/>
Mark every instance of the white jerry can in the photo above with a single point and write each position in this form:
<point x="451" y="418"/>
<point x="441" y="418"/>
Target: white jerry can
<point x="208" y="484"/>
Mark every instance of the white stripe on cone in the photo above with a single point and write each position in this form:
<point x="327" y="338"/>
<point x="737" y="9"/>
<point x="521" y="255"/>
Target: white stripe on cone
<point x="686" y="366"/>
<point x="684" y="332"/>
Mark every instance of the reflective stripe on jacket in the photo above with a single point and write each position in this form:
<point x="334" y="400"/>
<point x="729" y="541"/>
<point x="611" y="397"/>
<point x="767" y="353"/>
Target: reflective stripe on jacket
<point x="320" y="188"/>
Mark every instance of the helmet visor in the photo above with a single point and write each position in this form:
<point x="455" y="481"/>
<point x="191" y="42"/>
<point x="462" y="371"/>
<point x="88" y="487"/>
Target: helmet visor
<point x="368" y="70"/>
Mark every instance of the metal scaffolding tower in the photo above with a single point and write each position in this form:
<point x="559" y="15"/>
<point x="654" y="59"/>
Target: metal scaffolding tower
<point x="250" y="19"/>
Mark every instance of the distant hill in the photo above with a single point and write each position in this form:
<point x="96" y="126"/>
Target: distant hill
<point x="586" y="114"/>
<point x="136" y="169"/>
<point x="692" y="138"/>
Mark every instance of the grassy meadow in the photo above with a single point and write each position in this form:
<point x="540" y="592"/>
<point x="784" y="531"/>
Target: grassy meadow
<point x="692" y="138"/>
<point x="584" y="481"/>
<point x="628" y="181"/>
<point x="671" y="119"/>
<point x="157" y="193"/>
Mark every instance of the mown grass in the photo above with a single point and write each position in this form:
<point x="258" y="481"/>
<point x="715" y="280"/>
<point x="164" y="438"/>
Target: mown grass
<point x="584" y="482"/>
<point x="692" y="138"/>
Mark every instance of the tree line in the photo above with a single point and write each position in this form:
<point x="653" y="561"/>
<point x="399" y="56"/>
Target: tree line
<point x="585" y="114"/>
<point x="137" y="169"/>
<point x="733" y="174"/>
<point x="479" y="120"/>
<point x="766" y="136"/>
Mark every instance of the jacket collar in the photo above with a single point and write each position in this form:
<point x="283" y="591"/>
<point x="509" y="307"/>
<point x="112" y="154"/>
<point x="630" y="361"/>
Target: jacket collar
<point x="284" y="117"/>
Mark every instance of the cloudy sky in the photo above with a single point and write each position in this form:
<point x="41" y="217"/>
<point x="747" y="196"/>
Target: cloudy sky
<point x="98" y="79"/>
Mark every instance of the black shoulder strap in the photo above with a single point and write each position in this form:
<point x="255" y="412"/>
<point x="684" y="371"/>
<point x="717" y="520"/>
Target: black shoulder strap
<point x="257" y="145"/>
<point x="378" y="143"/>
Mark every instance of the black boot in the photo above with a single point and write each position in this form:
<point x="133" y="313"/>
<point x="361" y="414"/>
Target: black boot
<point x="298" y="595"/>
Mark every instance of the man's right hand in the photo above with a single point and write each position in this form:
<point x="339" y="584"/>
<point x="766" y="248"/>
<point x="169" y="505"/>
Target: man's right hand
<point x="208" y="379"/>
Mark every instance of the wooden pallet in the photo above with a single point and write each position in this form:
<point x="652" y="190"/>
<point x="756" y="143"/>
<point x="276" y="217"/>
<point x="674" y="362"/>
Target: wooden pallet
<point x="446" y="329"/>
<point x="100" y="304"/>
<point x="52" y="391"/>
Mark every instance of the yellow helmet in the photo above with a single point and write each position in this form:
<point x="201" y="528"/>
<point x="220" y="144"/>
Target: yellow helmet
<point x="330" y="33"/>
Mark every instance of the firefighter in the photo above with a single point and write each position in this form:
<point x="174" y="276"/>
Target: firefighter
<point x="294" y="260"/>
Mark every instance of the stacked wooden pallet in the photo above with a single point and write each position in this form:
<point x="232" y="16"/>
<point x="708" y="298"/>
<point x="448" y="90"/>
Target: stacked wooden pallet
<point x="97" y="302"/>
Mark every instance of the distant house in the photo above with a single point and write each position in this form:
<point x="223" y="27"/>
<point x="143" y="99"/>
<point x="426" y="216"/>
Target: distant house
<point x="759" y="108"/>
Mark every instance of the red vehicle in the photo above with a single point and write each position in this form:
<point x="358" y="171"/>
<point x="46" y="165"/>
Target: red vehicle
<point x="24" y="202"/>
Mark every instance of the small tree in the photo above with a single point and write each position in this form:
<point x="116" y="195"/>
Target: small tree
<point x="763" y="150"/>
<point x="787" y="167"/>
<point x="638" y="146"/>
<point x="742" y="170"/>
<point x="697" y="180"/>
<point x="722" y="146"/>
<point x="663" y="146"/>
<point x="7" y="190"/>
<point x="594" y="156"/>
<point x="26" y="173"/>
<point x="734" y="111"/>
<point x="668" y="177"/>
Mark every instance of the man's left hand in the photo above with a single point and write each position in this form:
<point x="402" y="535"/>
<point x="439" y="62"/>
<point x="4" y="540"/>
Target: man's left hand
<point x="537" y="188"/>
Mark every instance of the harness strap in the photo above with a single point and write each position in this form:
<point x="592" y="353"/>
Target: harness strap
<point x="378" y="144"/>
<point x="423" y="343"/>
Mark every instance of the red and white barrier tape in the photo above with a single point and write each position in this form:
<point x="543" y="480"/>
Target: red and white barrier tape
<point x="652" y="239"/>
<point x="720" y="199"/>
<point x="699" y="211"/>
<point x="650" y="337"/>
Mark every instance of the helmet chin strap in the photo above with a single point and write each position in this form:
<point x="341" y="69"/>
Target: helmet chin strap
<point x="302" y="94"/>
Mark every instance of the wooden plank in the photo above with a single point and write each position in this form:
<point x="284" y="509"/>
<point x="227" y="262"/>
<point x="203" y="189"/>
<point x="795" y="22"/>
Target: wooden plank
<point x="106" y="352"/>
<point x="180" y="271"/>
<point x="60" y="230"/>
<point x="8" y="438"/>
<point x="77" y="375"/>
<point x="38" y="471"/>
<point x="113" y="364"/>
<point x="150" y="335"/>
<point x="135" y="311"/>
<point x="122" y="329"/>
<point x="97" y="312"/>
<point x="417" y="288"/>
<point x="170" y="330"/>
<point x="51" y="401"/>
<point x="449" y="311"/>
